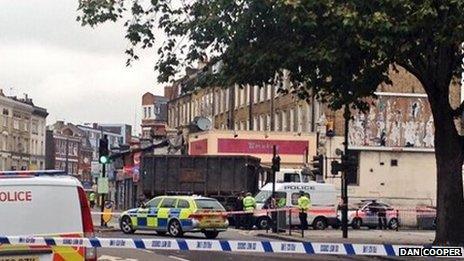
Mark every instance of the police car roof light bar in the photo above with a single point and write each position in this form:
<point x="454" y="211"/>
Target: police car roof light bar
<point x="36" y="173"/>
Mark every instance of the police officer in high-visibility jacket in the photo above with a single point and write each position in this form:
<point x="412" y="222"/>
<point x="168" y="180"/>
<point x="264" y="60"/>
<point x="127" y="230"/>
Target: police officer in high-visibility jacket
<point x="92" y="199"/>
<point x="249" y="205"/>
<point x="304" y="204"/>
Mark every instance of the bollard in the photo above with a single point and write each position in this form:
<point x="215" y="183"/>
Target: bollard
<point x="267" y="227"/>
<point x="277" y="220"/>
<point x="302" y="229"/>
<point x="397" y="220"/>
<point x="290" y="221"/>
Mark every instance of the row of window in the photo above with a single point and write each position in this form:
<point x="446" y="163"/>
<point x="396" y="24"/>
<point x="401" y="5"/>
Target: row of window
<point x="60" y="148"/>
<point x="297" y="119"/>
<point x="23" y="125"/>
<point x="21" y="145"/>
<point x="72" y="167"/>
<point x="154" y="110"/>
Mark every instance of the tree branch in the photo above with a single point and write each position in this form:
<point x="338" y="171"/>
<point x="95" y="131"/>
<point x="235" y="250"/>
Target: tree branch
<point x="458" y="111"/>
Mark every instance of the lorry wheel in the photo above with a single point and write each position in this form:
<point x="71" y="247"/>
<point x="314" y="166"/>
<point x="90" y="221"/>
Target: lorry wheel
<point x="175" y="228"/>
<point x="356" y="224"/>
<point x="211" y="234"/>
<point x="263" y="223"/>
<point x="393" y="224"/>
<point x="319" y="223"/>
<point x="126" y="225"/>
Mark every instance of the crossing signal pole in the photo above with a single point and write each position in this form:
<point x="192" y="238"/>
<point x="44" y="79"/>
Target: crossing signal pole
<point x="104" y="158"/>
<point x="275" y="167"/>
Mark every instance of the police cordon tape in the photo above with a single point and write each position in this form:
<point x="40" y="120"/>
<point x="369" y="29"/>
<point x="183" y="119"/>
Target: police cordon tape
<point x="309" y="248"/>
<point x="229" y="213"/>
<point x="314" y="211"/>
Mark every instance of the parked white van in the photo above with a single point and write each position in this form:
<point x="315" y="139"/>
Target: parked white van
<point x="44" y="203"/>
<point x="323" y="201"/>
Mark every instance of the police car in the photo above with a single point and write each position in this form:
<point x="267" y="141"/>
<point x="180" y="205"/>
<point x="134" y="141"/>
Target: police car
<point x="176" y="215"/>
<point x="44" y="203"/>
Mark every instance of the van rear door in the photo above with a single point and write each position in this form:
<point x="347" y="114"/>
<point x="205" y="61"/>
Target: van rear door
<point x="38" y="209"/>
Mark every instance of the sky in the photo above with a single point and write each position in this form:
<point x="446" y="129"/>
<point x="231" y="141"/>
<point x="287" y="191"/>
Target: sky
<point x="77" y="73"/>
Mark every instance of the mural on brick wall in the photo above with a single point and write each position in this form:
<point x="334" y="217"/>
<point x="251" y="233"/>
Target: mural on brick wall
<point x="394" y="121"/>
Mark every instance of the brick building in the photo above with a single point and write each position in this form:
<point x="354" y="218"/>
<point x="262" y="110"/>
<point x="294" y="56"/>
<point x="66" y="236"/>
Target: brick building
<point x="392" y="143"/>
<point x="72" y="150"/>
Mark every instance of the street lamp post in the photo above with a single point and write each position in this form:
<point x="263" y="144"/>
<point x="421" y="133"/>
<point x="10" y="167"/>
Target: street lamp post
<point x="344" y="184"/>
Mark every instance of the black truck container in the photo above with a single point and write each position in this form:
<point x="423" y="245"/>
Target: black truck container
<point x="220" y="177"/>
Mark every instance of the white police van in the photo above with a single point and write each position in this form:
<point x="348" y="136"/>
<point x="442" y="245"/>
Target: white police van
<point x="324" y="203"/>
<point x="44" y="203"/>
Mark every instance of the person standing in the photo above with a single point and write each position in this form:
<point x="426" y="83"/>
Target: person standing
<point x="239" y="207"/>
<point x="304" y="204"/>
<point x="249" y="205"/>
<point x="382" y="216"/>
<point x="92" y="199"/>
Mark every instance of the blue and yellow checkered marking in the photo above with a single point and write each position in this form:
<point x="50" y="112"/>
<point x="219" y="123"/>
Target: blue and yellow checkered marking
<point x="158" y="218"/>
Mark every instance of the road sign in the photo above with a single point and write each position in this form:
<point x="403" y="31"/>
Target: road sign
<point x="102" y="187"/>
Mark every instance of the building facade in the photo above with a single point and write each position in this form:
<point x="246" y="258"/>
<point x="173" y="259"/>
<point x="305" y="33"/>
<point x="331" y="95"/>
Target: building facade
<point x="392" y="143"/>
<point x="22" y="139"/>
<point x="250" y="108"/>
<point x="72" y="150"/>
<point x="154" y="116"/>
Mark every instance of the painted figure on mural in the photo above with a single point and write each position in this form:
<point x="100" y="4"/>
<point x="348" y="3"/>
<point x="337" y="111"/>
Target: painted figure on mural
<point x="409" y="133"/>
<point x="395" y="134"/>
<point x="356" y="133"/>
<point x="420" y="134"/>
<point x="381" y="130"/>
<point x="429" y="133"/>
<point x="371" y="128"/>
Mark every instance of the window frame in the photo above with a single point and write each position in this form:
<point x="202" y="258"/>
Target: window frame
<point x="173" y="205"/>
<point x="153" y="200"/>
<point x="183" y="200"/>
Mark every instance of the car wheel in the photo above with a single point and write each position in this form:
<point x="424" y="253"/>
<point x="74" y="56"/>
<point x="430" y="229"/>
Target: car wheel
<point x="356" y="224"/>
<point x="319" y="223"/>
<point x="126" y="225"/>
<point x="211" y="234"/>
<point x="161" y="233"/>
<point x="263" y="223"/>
<point x="175" y="229"/>
<point x="393" y="223"/>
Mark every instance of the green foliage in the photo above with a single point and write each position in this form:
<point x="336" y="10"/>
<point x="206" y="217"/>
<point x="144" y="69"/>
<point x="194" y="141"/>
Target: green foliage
<point x="341" y="50"/>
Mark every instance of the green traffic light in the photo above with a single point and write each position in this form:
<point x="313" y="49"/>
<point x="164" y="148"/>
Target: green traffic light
<point x="104" y="159"/>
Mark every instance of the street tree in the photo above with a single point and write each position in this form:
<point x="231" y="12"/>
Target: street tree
<point x="338" y="51"/>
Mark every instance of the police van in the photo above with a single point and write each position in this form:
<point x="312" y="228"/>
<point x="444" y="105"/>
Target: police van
<point x="324" y="203"/>
<point x="44" y="203"/>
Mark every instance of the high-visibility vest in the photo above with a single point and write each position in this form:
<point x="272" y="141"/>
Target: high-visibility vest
<point x="92" y="197"/>
<point x="304" y="203"/>
<point x="249" y="203"/>
<point x="281" y="203"/>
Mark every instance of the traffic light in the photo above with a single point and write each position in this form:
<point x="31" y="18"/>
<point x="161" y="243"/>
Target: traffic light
<point x="330" y="129"/>
<point x="276" y="163"/>
<point x="336" y="167"/>
<point x="318" y="165"/>
<point x="349" y="164"/>
<point x="103" y="152"/>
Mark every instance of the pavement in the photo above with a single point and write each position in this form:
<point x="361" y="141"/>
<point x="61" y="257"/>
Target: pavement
<point x="372" y="236"/>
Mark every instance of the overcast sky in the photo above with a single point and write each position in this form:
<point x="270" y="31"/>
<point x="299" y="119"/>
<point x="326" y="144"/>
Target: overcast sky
<point x="77" y="73"/>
